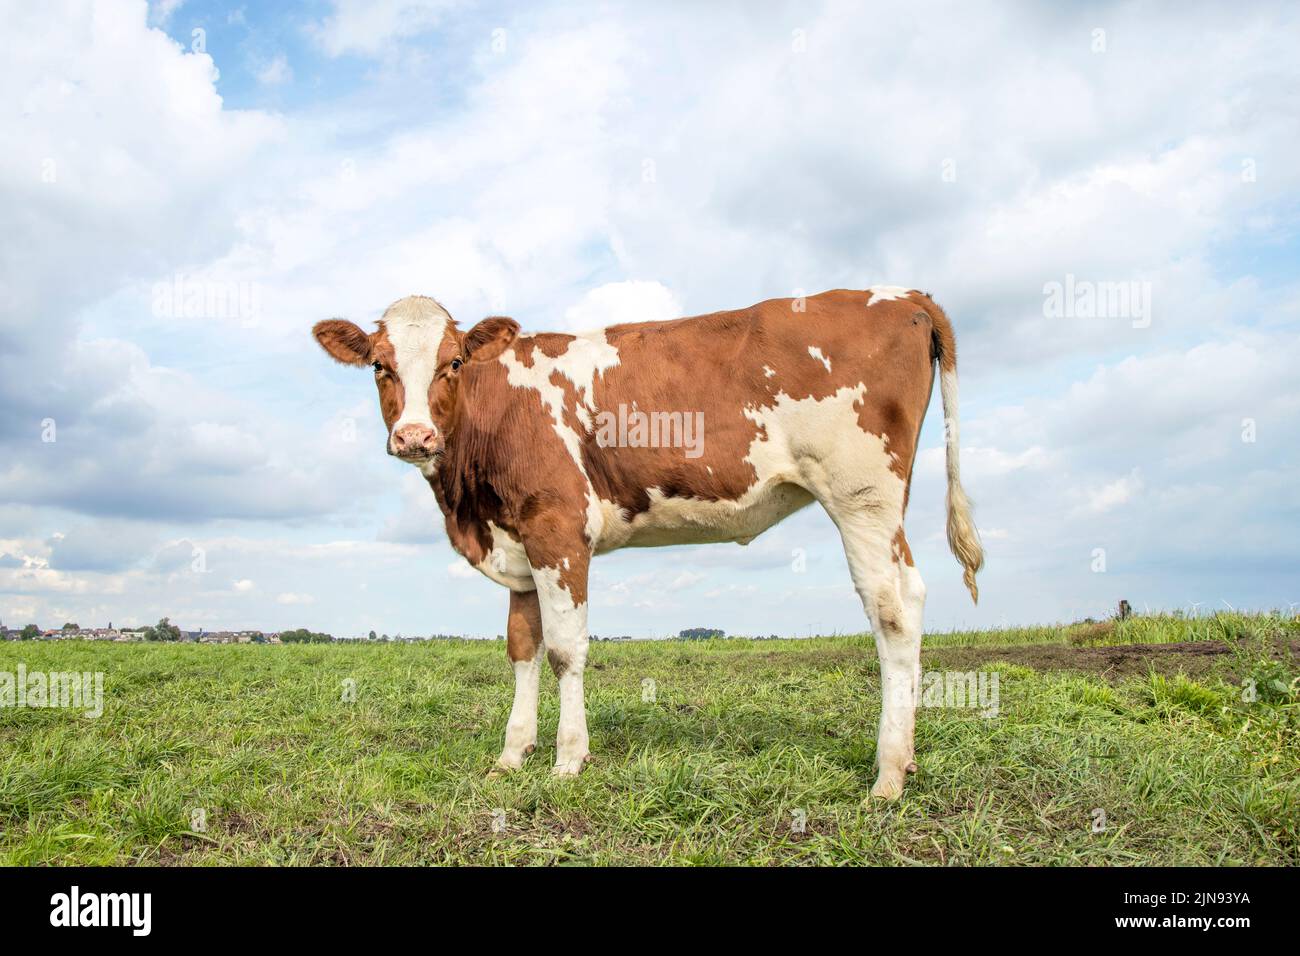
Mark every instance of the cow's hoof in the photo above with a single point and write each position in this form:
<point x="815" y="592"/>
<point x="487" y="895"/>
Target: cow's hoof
<point x="507" y="762"/>
<point x="888" y="787"/>
<point x="911" y="767"/>
<point x="571" y="768"/>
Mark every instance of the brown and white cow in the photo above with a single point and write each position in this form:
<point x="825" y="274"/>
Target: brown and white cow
<point x="525" y="441"/>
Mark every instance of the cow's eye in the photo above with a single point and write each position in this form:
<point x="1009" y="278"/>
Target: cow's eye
<point x="455" y="364"/>
<point x="377" y="367"/>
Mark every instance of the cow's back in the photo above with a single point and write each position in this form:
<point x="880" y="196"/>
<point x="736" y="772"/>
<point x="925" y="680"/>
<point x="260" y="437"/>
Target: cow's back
<point x="726" y="370"/>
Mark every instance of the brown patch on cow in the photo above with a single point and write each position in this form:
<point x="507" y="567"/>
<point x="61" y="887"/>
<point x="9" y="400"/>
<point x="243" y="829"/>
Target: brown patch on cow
<point x="554" y="537"/>
<point x="552" y="344"/>
<point x="901" y="551"/>
<point x="559" y="663"/>
<point x="524" y="349"/>
<point x="523" y="626"/>
<point x="889" y="613"/>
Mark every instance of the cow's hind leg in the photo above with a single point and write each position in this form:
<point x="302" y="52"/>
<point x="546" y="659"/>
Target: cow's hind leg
<point x="893" y="596"/>
<point x="524" y="647"/>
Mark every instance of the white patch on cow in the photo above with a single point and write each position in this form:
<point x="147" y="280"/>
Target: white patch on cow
<point x="822" y="442"/>
<point x="886" y="293"/>
<point x="507" y="563"/>
<point x="415" y="328"/>
<point x="806" y="449"/>
<point x="670" y="521"/>
<point x="585" y="357"/>
<point x="565" y="625"/>
<point x="816" y="353"/>
<point x="768" y="371"/>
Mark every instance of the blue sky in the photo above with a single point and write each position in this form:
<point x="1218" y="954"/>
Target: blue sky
<point x="575" y="165"/>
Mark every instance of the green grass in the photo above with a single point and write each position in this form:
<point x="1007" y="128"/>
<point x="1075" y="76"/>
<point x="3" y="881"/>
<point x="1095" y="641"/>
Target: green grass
<point x="1164" y="628"/>
<point x="1187" y="767"/>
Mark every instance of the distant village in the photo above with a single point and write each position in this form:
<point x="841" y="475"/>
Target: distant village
<point x="126" y="635"/>
<point x="164" y="630"/>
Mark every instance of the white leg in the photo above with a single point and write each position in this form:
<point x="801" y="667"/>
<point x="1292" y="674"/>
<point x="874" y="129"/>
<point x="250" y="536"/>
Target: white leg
<point x="893" y="596"/>
<point x="524" y="648"/>
<point x="565" y="625"/>
<point x="521" y="729"/>
<point x="899" y="649"/>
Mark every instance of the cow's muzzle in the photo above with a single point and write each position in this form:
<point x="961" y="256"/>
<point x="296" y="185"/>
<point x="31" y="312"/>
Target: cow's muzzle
<point x="414" y="443"/>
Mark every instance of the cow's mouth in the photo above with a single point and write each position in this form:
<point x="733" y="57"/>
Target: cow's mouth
<point x="422" y="459"/>
<point x="418" y="457"/>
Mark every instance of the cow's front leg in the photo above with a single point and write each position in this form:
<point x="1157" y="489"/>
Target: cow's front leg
<point x="524" y="648"/>
<point x="560" y="574"/>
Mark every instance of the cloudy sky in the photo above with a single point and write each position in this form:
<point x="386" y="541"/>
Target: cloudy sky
<point x="188" y="186"/>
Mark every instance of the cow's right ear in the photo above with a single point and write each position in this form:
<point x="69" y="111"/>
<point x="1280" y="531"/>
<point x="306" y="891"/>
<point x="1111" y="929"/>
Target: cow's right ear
<point x="344" y="341"/>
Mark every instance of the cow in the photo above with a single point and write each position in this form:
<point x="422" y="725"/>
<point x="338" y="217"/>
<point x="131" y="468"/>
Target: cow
<point x="537" y="450"/>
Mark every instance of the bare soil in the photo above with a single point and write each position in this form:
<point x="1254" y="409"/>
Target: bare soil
<point x="1115" y="662"/>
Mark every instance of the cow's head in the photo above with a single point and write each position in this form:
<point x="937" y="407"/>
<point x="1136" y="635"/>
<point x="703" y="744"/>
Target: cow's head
<point x="419" y="358"/>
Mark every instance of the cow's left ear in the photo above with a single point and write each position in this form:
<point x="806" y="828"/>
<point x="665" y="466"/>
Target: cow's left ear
<point x="489" y="338"/>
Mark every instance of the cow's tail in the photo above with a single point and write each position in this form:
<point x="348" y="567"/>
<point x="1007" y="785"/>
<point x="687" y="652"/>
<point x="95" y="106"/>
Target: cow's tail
<point x="963" y="538"/>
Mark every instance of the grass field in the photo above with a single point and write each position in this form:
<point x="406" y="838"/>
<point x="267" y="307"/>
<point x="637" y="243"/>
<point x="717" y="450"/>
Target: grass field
<point x="1157" y="740"/>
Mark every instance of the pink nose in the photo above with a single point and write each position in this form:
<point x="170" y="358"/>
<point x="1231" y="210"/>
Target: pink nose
<point x="413" y="441"/>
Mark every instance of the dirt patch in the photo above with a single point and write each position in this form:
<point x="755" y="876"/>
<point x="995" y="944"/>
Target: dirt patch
<point x="1193" y="658"/>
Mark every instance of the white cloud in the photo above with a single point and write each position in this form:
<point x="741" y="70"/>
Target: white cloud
<point x="368" y="26"/>
<point x="618" y="302"/>
<point x="1118" y="492"/>
<point x="690" y="161"/>
<point x="161" y="11"/>
<point x="275" y="71"/>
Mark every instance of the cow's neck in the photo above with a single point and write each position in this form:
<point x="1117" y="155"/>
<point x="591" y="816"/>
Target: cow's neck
<point x="467" y="490"/>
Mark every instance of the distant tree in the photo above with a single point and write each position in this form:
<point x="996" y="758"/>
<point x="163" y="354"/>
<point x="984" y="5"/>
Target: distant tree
<point x="302" y="635"/>
<point x="164" y="630"/>
<point x="372" y="635"/>
<point x="30" y="633"/>
<point x="71" y="627"/>
<point x="701" y="633"/>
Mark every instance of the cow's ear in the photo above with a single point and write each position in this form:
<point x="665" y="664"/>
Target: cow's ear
<point x="489" y="338"/>
<point x="344" y="341"/>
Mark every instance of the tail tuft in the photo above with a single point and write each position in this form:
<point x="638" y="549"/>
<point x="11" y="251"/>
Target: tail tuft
<point x="963" y="536"/>
<point x="964" y="539"/>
